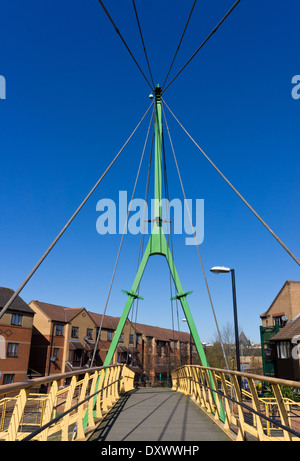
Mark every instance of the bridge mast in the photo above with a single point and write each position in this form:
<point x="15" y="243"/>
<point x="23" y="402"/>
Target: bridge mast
<point x="157" y="245"/>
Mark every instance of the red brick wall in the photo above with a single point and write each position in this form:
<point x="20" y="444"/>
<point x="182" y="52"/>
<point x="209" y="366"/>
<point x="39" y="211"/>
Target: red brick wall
<point x="16" y="365"/>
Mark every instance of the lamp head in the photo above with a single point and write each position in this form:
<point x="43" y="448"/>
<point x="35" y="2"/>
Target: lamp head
<point x="220" y="270"/>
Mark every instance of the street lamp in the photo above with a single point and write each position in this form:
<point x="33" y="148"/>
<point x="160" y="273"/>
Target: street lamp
<point x="191" y="351"/>
<point x="225" y="270"/>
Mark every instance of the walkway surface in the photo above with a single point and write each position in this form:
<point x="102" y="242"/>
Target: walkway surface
<point x="157" y="414"/>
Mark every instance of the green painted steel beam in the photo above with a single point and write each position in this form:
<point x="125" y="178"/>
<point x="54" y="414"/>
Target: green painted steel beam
<point x="158" y="245"/>
<point x="158" y="155"/>
<point x="127" y="307"/>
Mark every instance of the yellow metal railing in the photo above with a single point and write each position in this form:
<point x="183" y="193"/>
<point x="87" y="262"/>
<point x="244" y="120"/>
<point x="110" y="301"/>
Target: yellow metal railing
<point x="70" y="409"/>
<point x="239" y="412"/>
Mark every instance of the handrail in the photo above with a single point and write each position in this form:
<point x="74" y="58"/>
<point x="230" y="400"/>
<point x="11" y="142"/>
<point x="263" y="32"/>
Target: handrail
<point x="247" y="407"/>
<point x="55" y="420"/>
<point x="97" y="393"/>
<point x="193" y="380"/>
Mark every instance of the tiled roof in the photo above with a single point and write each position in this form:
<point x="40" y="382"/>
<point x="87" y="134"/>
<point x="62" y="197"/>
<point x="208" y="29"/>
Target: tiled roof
<point x="162" y="334"/>
<point x="58" y="313"/>
<point x="17" y="305"/>
<point x="109" y="323"/>
<point x="65" y="314"/>
<point x="288" y="332"/>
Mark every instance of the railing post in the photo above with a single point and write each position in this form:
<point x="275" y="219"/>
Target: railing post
<point x="98" y="397"/>
<point x="217" y="398"/>
<point x="80" y="413"/>
<point x="282" y="410"/>
<point x="203" y="393"/>
<point x="113" y="386"/>
<point x="211" y="405"/>
<point x="68" y="404"/>
<point x="240" y="419"/>
<point x="91" y="421"/>
<point x="227" y="405"/>
<point x="197" y="388"/>
<point x="105" y="400"/>
<point x="256" y="406"/>
<point x="49" y="408"/>
<point x="17" y="415"/>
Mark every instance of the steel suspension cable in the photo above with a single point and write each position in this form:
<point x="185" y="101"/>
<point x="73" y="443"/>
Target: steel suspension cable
<point x="16" y="293"/>
<point x="236" y="191"/>
<point x="123" y="40"/>
<point x="200" y="258"/>
<point x="180" y="41"/>
<point x="204" y="42"/>
<point x="121" y="243"/>
<point x="143" y="42"/>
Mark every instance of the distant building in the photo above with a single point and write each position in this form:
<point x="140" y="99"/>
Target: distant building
<point x="163" y="350"/>
<point x="15" y="332"/>
<point x="244" y="342"/>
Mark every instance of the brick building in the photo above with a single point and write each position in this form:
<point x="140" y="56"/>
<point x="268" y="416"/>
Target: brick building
<point x="287" y="350"/>
<point x="286" y="303"/>
<point x="62" y="339"/>
<point x="163" y="350"/>
<point x="281" y="313"/>
<point x="15" y="333"/>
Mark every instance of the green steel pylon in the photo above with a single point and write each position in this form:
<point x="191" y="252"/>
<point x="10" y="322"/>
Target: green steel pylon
<point x="157" y="245"/>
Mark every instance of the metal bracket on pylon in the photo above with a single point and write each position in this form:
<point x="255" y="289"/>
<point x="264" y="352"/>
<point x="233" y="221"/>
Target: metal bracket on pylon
<point x="132" y="294"/>
<point x="180" y="295"/>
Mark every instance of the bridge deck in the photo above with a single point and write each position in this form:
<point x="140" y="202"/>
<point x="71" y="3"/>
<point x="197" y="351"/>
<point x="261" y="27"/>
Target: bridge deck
<point x="157" y="414"/>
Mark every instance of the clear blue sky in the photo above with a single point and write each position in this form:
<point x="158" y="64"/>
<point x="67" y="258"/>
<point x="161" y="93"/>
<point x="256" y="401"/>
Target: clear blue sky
<point x="74" y="95"/>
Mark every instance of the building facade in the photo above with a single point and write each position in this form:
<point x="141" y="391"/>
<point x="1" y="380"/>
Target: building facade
<point x="15" y="333"/>
<point x="62" y="340"/>
<point x="287" y="350"/>
<point x="282" y="312"/>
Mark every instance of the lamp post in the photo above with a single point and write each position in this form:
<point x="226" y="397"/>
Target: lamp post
<point x="225" y="270"/>
<point x="191" y="346"/>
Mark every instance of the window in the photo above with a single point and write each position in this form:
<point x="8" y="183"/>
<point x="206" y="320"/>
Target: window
<point x="8" y="379"/>
<point x="59" y="329"/>
<point x="12" y="350"/>
<point x="121" y="338"/>
<point x="75" y="331"/>
<point x="56" y="353"/>
<point x="109" y="335"/>
<point x="16" y="319"/>
<point x="278" y="320"/>
<point x="97" y="333"/>
<point x="138" y="339"/>
<point x="130" y="339"/>
<point x="284" y="350"/>
<point x="89" y="333"/>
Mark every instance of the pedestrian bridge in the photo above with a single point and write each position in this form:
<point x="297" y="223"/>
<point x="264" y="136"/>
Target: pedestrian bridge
<point x="106" y="404"/>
